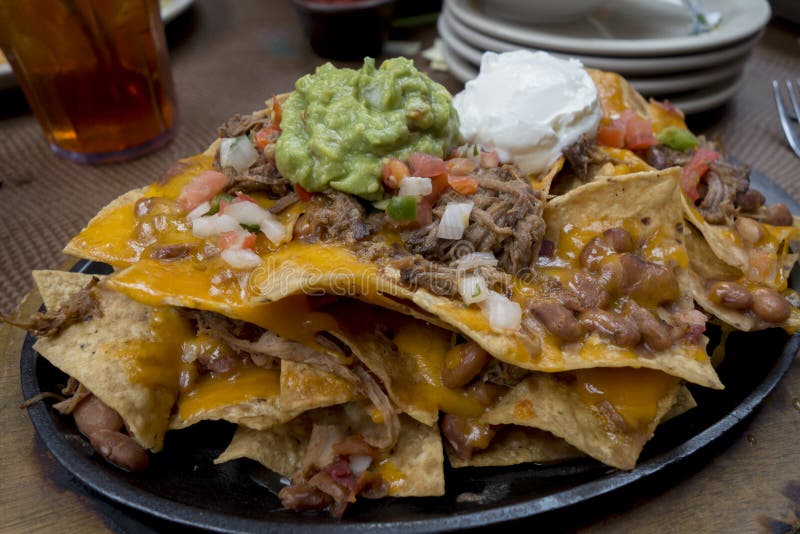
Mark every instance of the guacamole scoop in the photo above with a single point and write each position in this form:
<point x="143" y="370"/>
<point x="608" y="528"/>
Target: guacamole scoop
<point x="339" y="124"/>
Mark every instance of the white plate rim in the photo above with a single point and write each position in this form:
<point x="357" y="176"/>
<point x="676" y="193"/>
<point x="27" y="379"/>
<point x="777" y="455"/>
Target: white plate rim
<point x="673" y="83"/>
<point x="624" y="65"/>
<point x="168" y="13"/>
<point x="469" y="15"/>
<point x="695" y="102"/>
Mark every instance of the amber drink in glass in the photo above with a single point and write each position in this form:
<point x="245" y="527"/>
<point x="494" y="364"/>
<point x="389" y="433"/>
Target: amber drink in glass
<point x="95" y="73"/>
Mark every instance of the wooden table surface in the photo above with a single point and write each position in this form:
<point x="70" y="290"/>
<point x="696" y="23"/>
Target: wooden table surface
<point x="227" y="57"/>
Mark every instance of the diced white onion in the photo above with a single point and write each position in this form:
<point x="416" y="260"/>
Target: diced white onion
<point x="241" y="258"/>
<point x="199" y="211"/>
<point x="503" y="314"/>
<point x="237" y="152"/>
<point x="415" y="186"/>
<point x="454" y="220"/>
<point x="214" y="225"/>
<point x="274" y="229"/>
<point x="473" y="260"/>
<point x="359" y="464"/>
<point x="472" y="288"/>
<point x="246" y="212"/>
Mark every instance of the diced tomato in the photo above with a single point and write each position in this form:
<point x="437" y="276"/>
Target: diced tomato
<point x="236" y="240"/>
<point x="460" y="166"/>
<point x="249" y="241"/>
<point x="612" y="135"/>
<point x="424" y="212"/>
<point x="393" y="172"/>
<point x="302" y="194"/>
<point x="202" y="188"/>
<point x="628" y="131"/>
<point x="277" y="111"/>
<point x="490" y="159"/>
<point x="425" y="165"/>
<point x="639" y="134"/>
<point x="266" y="135"/>
<point x="692" y="172"/>
<point x="439" y="185"/>
<point x="244" y="197"/>
<point x="466" y="185"/>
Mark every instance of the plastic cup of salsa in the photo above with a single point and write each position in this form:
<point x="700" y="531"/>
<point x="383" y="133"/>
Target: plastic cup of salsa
<point x="345" y="29"/>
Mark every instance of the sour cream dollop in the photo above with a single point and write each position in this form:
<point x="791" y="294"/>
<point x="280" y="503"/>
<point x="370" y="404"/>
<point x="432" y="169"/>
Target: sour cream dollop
<point x="529" y="106"/>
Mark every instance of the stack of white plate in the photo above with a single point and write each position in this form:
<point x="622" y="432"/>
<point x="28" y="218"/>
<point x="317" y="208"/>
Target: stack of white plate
<point x="650" y="42"/>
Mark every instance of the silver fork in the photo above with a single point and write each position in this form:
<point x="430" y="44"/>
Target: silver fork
<point x="786" y="115"/>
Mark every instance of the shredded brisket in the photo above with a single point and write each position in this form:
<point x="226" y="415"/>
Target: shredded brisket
<point x="242" y="124"/>
<point x="725" y="189"/>
<point x="418" y="273"/>
<point x="263" y="175"/>
<point x="506" y="220"/>
<point x="724" y="181"/>
<point x="329" y="477"/>
<point x="337" y="216"/>
<point x="80" y="307"/>
<point x="579" y="155"/>
<point x="271" y="347"/>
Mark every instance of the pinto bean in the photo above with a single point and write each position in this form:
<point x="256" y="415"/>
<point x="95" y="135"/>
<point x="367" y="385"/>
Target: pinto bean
<point x="612" y="240"/>
<point x="466" y="435"/>
<point x="143" y="206"/>
<point x="654" y="331"/>
<point x="749" y="230"/>
<point x="302" y="227"/>
<point x="92" y="414"/>
<point x="644" y="280"/>
<point x="302" y="496"/>
<point x="749" y="200"/>
<point x="778" y="215"/>
<point x="592" y="254"/>
<point x="558" y="319"/>
<point x="590" y="293"/>
<point x="618" y="239"/>
<point x="771" y="305"/>
<point x="730" y="295"/>
<point x="170" y="252"/>
<point x="486" y="393"/>
<point x="462" y="363"/>
<point x="621" y="330"/>
<point x="119" y="449"/>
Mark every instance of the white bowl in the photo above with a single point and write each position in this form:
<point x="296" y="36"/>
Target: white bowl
<point x="540" y="11"/>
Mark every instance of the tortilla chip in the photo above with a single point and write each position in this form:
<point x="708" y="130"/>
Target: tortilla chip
<point x="703" y="261"/>
<point x="280" y="448"/>
<point x="706" y="266"/>
<point x="768" y="263"/>
<point x="407" y="355"/>
<point x="646" y="203"/>
<point x="611" y="426"/>
<point x="110" y="236"/>
<point x="414" y="467"/>
<point x="304" y="387"/>
<point x="518" y="444"/>
<point x="126" y="357"/>
<point x="683" y="403"/>
<point x="545" y="181"/>
<point x="515" y="445"/>
<point x="252" y="399"/>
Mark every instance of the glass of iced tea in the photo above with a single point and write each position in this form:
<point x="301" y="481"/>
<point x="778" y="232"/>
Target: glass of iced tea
<point x="95" y="73"/>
